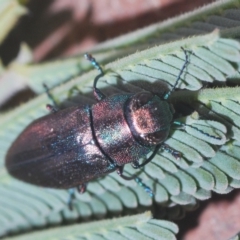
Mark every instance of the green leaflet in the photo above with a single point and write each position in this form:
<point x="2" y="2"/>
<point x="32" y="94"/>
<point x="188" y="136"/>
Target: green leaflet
<point x="206" y="165"/>
<point x="173" y="181"/>
<point x="224" y="14"/>
<point x="140" y="226"/>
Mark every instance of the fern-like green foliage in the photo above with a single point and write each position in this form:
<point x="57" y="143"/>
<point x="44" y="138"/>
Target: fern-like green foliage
<point x="140" y="226"/>
<point x="207" y="164"/>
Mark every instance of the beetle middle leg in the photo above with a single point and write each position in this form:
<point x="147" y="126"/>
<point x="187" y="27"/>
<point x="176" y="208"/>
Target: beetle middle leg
<point x="138" y="180"/>
<point x="164" y="147"/>
<point x="172" y="151"/>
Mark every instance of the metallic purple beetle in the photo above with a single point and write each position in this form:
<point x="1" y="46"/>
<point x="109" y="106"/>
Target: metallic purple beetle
<point x="71" y="147"/>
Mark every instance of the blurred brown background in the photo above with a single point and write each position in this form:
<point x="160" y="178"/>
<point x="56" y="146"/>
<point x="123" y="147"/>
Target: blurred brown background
<point x="55" y="28"/>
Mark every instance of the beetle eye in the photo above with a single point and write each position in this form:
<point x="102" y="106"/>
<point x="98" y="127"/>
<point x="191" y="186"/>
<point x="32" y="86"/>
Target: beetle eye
<point x="141" y="99"/>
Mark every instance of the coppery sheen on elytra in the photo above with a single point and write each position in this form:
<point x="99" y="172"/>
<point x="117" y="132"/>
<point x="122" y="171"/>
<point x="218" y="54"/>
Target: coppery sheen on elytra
<point x="73" y="146"/>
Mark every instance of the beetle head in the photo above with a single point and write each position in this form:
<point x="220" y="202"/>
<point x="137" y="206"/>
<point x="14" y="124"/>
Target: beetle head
<point x="149" y="118"/>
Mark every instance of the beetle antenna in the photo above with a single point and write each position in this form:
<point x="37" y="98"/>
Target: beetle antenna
<point x="97" y="93"/>
<point x="167" y="95"/>
<point x="199" y="130"/>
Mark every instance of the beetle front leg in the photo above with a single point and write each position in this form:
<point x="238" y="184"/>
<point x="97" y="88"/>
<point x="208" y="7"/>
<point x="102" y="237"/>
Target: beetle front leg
<point x="54" y="107"/>
<point x="137" y="165"/>
<point x="120" y="173"/>
<point x="96" y="92"/>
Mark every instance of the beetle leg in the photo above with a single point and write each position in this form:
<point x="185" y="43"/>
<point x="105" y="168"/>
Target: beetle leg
<point x="71" y="198"/>
<point x="137" y="179"/>
<point x="96" y="92"/>
<point x="50" y="96"/>
<point x="82" y="188"/>
<point x="137" y="165"/>
<point x="172" y="151"/>
<point x="147" y="189"/>
<point x="120" y="173"/>
<point x="51" y="108"/>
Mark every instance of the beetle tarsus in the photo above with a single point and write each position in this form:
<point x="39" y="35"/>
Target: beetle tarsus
<point x="147" y="189"/>
<point x="172" y="151"/>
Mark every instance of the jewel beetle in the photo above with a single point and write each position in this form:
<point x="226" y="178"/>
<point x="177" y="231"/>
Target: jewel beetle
<point x="73" y="146"/>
